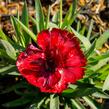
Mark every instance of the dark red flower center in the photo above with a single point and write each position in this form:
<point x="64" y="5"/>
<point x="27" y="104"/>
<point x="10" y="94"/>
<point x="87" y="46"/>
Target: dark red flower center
<point x="50" y="64"/>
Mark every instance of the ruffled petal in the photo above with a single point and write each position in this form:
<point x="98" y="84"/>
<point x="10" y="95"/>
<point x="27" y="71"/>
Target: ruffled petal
<point x="30" y="63"/>
<point x="43" y="39"/>
<point x="75" y="58"/>
<point x="70" y="75"/>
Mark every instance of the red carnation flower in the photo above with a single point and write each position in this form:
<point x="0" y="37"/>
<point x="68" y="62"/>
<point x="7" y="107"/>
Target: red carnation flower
<point x="57" y="62"/>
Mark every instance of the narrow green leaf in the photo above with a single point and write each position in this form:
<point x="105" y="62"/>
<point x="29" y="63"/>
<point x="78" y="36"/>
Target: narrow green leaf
<point x="55" y="18"/>
<point x="67" y="17"/>
<point x="100" y="64"/>
<point x="67" y="92"/>
<point x="15" y="39"/>
<point x="74" y="7"/>
<point x="74" y="12"/>
<point x="15" y="73"/>
<point x="33" y="106"/>
<point x="72" y="19"/>
<point x="82" y="31"/>
<point x="9" y="49"/>
<point x="101" y="95"/>
<point x="38" y="105"/>
<point x="66" y="106"/>
<point x="90" y="29"/>
<point x="9" y="69"/>
<point x="90" y="102"/>
<point x="18" y="102"/>
<point x="69" y="105"/>
<point x="34" y="27"/>
<point x="26" y="94"/>
<point x="106" y="84"/>
<point x="103" y="72"/>
<point x="84" y="40"/>
<point x="102" y="56"/>
<point x="85" y="91"/>
<point x="5" y="69"/>
<point x="25" y="15"/>
<point x="25" y="21"/>
<point x="3" y="54"/>
<point x="38" y="101"/>
<point x="13" y="87"/>
<point x="104" y="68"/>
<point x="77" y="104"/>
<point x="78" y="26"/>
<point x="71" y="15"/>
<point x="16" y="27"/>
<point x="90" y="50"/>
<point x="19" y="36"/>
<point x="60" y="14"/>
<point x="4" y="37"/>
<point x="73" y="86"/>
<point x="31" y="34"/>
<point x="102" y="39"/>
<point x="17" y="15"/>
<point x="33" y="20"/>
<point x="103" y="76"/>
<point x="54" y="101"/>
<point x="39" y="16"/>
<point x="41" y="102"/>
<point x="48" y="19"/>
<point x="52" y="25"/>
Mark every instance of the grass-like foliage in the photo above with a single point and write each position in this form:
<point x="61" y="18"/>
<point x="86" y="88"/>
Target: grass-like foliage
<point x="95" y="81"/>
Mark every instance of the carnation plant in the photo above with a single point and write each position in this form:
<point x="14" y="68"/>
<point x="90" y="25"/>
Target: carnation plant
<point x="60" y="66"/>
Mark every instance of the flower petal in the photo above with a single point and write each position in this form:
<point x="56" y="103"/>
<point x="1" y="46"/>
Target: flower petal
<point x="43" y="39"/>
<point x="75" y="58"/>
<point x="70" y="75"/>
